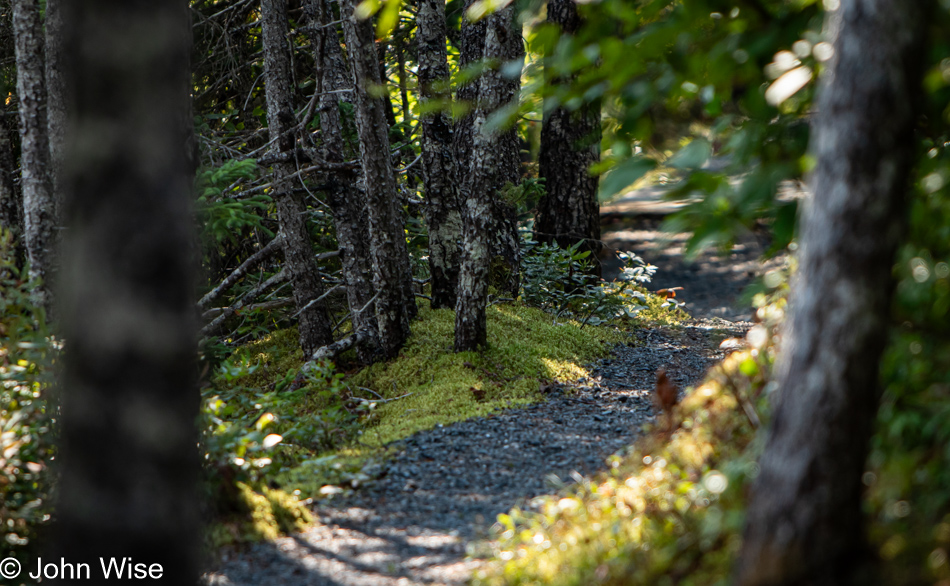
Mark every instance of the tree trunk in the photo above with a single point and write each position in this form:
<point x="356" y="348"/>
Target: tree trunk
<point x="392" y="279"/>
<point x="570" y="143"/>
<point x="314" y="323"/>
<point x="506" y="243"/>
<point x="346" y="201"/>
<point x="128" y="461"/>
<point x="443" y="219"/>
<point x="804" y="523"/>
<point x="56" y="94"/>
<point x="39" y="207"/>
<point x="480" y="215"/>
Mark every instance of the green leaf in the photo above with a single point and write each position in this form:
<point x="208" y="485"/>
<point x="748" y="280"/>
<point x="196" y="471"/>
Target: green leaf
<point x="624" y="175"/>
<point x="692" y="156"/>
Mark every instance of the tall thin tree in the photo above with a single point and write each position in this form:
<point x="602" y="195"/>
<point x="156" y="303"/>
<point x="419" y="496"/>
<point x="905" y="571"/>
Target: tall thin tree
<point x="314" y="323"/>
<point x="392" y="279"/>
<point x="128" y="459"/>
<point x="39" y="206"/>
<point x="505" y="241"/>
<point x="346" y="200"/>
<point x="570" y="143"/>
<point x="478" y="191"/>
<point x="804" y="523"/>
<point x="442" y="214"/>
<point x="55" y="94"/>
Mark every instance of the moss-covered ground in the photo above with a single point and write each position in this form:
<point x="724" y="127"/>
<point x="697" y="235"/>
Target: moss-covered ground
<point x="358" y="412"/>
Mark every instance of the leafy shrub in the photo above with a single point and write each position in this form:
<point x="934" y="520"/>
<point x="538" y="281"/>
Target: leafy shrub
<point x="558" y="280"/>
<point x="27" y="355"/>
<point x="223" y="219"/>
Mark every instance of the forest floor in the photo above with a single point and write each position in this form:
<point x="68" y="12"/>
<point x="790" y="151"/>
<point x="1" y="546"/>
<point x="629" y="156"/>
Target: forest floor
<point x="421" y="522"/>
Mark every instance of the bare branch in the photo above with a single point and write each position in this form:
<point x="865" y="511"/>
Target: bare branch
<point x="258" y="257"/>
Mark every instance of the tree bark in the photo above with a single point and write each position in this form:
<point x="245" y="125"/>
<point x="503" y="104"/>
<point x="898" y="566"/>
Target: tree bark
<point x="346" y="201"/>
<point x="506" y="243"/>
<point x="480" y="215"/>
<point x="442" y="214"/>
<point x="39" y="207"/>
<point x="804" y="523"/>
<point x="56" y="95"/>
<point x="570" y="144"/>
<point x="392" y="279"/>
<point x="314" y="323"/>
<point x="128" y="461"/>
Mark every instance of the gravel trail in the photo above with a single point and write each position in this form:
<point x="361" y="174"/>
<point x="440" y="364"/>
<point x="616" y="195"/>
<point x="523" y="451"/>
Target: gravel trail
<point x="445" y="486"/>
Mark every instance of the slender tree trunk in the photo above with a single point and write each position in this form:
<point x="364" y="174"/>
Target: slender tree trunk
<point x="804" y="523"/>
<point x="443" y="219"/>
<point x="314" y="323"/>
<point x="56" y="95"/>
<point x="484" y="169"/>
<point x="346" y="201"/>
<point x="506" y="245"/>
<point x="570" y="143"/>
<point x="128" y="459"/>
<point x="39" y="207"/>
<point x="392" y="280"/>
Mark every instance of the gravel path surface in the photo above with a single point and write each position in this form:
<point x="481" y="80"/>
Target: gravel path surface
<point x="713" y="284"/>
<point x="445" y="486"/>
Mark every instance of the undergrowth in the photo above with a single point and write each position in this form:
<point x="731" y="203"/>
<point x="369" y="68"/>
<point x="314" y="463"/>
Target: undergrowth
<point x="667" y="512"/>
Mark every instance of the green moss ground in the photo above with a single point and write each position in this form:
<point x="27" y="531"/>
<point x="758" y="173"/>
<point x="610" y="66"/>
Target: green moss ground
<point x="426" y="385"/>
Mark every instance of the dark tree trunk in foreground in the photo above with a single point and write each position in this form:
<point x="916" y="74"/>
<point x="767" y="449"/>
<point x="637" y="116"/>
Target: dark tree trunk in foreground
<point x="344" y="197"/>
<point x="128" y="461"/>
<point x="314" y="323"/>
<point x="484" y="169"/>
<point x="505" y="242"/>
<point x="39" y="207"/>
<point x="443" y="220"/>
<point x="570" y="143"/>
<point x="392" y="280"/>
<point x="56" y="94"/>
<point x="804" y="523"/>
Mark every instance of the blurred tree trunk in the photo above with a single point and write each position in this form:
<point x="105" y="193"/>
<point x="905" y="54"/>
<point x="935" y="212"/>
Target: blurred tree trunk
<point x="346" y="200"/>
<point x="56" y="95"/>
<point x="804" y="523"/>
<point x="480" y="215"/>
<point x="392" y="279"/>
<point x="505" y="241"/>
<point x="570" y="143"/>
<point x="314" y="323"/>
<point x="39" y="207"/>
<point x="128" y="459"/>
<point x="442" y="215"/>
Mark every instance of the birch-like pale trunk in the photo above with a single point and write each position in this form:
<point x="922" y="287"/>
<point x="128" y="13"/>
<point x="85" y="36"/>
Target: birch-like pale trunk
<point x="477" y="193"/>
<point x="570" y="143"/>
<point x="313" y="322"/>
<point x="346" y="200"/>
<point x="56" y="98"/>
<point x="506" y="243"/>
<point x="39" y="206"/>
<point x="804" y="523"/>
<point x="442" y="213"/>
<point x="128" y="461"/>
<point x="392" y="279"/>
